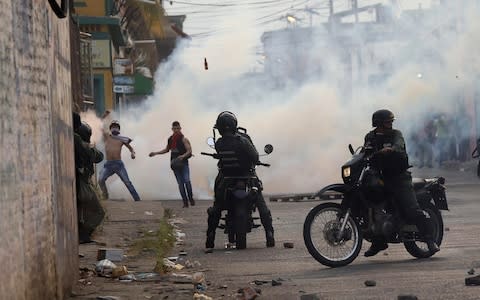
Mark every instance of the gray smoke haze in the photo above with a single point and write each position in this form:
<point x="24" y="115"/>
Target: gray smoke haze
<point x="310" y="124"/>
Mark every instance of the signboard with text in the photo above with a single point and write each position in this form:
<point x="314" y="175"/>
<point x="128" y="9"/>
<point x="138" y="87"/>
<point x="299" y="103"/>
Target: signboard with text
<point x="124" y="80"/>
<point x="122" y="66"/>
<point x="101" y="54"/>
<point x="124" y="89"/>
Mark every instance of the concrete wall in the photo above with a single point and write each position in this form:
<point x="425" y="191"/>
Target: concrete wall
<point x="38" y="238"/>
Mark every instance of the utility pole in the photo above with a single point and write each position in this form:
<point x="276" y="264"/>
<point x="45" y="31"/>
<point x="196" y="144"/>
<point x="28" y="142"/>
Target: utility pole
<point x="355" y="9"/>
<point x="330" y="4"/>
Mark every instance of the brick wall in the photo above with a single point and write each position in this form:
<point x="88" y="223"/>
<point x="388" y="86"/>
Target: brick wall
<point x="38" y="239"/>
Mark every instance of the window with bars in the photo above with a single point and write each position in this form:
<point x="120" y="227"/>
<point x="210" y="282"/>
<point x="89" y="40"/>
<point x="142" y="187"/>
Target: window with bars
<point x="86" y="67"/>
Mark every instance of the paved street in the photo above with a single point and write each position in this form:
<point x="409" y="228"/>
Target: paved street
<point x="395" y="271"/>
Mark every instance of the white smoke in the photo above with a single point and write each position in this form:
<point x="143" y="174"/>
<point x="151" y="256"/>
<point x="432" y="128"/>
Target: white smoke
<point x="311" y="123"/>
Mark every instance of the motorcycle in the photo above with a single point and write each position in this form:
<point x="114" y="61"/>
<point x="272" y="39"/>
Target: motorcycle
<point x="239" y="198"/>
<point x="333" y="232"/>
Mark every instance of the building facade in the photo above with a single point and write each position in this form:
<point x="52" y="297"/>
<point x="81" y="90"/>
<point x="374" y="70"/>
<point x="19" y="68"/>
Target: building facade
<point x="39" y="249"/>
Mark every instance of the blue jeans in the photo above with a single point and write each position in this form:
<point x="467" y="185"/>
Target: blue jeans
<point x="116" y="167"/>
<point x="184" y="185"/>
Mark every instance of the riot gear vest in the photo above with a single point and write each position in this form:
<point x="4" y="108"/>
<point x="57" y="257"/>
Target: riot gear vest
<point x="240" y="155"/>
<point x="390" y="163"/>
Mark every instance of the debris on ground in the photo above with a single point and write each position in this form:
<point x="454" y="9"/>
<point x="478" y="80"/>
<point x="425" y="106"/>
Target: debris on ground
<point x="309" y="297"/>
<point x="119" y="271"/>
<point x="148" y="276"/>
<point x="260" y="282"/>
<point x="288" y="245"/>
<point x="199" y="282"/>
<point x="247" y="293"/>
<point x="275" y="282"/>
<point x="470" y="281"/>
<point x="107" y="298"/>
<point x="471" y="271"/>
<point x="407" y="297"/>
<point x="112" y="254"/>
<point x="104" y="268"/>
<point x="198" y="296"/>
<point x="370" y="283"/>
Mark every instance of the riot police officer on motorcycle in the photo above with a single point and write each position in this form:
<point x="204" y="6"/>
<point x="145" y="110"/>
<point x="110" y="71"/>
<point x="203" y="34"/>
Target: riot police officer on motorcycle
<point x="390" y="157"/>
<point x="241" y="144"/>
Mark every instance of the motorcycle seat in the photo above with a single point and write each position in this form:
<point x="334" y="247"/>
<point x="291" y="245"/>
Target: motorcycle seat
<point x="419" y="183"/>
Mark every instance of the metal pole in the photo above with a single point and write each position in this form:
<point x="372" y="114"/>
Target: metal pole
<point x="330" y="3"/>
<point x="355" y="9"/>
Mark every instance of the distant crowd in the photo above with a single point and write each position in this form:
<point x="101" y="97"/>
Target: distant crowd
<point x="439" y="139"/>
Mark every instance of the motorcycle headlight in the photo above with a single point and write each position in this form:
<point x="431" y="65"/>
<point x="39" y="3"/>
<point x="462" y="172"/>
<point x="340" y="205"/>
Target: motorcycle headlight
<point x="346" y="172"/>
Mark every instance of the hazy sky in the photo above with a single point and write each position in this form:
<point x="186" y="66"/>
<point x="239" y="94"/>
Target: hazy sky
<point x="310" y="125"/>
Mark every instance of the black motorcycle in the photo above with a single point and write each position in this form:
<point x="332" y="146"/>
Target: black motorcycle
<point x="239" y="198"/>
<point x="333" y="232"/>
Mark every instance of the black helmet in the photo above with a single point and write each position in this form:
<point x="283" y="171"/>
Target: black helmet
<point x="114" y="123"/>
<point x="85" y="132"/>
<point x="381" y="116"/>
<point x="226" y="121"/>
<point x="76" y="121"/>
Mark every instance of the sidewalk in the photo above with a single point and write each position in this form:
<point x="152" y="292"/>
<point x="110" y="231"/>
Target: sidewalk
<point x="126" y="222"/>
<point x="455" y="173"/>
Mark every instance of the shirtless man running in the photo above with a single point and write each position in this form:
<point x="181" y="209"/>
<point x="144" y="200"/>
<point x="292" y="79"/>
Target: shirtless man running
<point x="114" y="165"/>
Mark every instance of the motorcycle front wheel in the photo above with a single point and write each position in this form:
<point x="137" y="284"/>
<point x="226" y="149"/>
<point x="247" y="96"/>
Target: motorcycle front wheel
<point x="320" y="233"/>
<point x="419" y="249"/>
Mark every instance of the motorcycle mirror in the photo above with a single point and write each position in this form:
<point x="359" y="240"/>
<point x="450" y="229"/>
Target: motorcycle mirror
<point x="351" y="149"/>
<point x="210" y="142"/>
<point x="268" y="148"/>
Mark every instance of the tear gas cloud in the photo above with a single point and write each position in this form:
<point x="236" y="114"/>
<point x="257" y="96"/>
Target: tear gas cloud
<point x="311" y="121"/>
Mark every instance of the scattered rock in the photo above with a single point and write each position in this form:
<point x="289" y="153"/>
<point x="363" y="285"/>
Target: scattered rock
<point x="119" y="271"/>
<point x="385" y="253"/>
<point x="370" y="283"/>
<point x="288" y="245"/>
<point x="407" y="297"/>
<point x="471" y="271"/>
<point x="198" y="296"/>
<point x="248" y="293"/>
<point x="309" y="297"/>
<point x="275" y="282"/>
<point x="107" y="298"/>
<point x="475" y="280"/>
<point x="223" y="287"/>
<point x="447" y="229"/>
<point x="260" y="282"/>
<point x="199" y="282"/>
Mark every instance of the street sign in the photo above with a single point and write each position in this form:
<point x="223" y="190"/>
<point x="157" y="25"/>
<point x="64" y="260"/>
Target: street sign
<point x="124" y="89"/>
<point x="124" y="80"/>
<point x="122" y="66"/>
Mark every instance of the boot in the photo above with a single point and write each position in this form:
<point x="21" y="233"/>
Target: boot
<point x="375" y="248"/>
<point x="192" y="202"/>
<point x="185" y="203"/>
<point x="433" y="247"/>
<point x="270" y="239"/>
<point x="210" y="243"/>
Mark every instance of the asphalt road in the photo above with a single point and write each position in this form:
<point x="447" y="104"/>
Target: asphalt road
<point x="394" y="270"/>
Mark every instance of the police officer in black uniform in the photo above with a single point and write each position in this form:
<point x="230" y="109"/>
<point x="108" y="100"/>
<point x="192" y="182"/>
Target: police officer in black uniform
<point x="392" y="160"/>
<point x="241" y="144"/>
<point x="90" y="212"/>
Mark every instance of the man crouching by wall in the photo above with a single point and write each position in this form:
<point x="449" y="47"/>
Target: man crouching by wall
<point x="89" y="210"/>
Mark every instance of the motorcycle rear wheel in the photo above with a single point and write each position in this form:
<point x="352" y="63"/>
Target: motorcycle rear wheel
<point x="419" y="249"/>
<point x="320" y="227"/>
